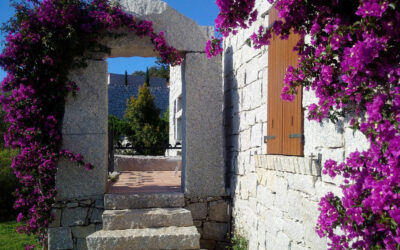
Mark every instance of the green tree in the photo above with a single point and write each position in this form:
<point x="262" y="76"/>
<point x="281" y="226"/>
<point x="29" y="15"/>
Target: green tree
<point x="160" y="70"/>
<point x="118" y="127"/>
<point x="126" y="78"/>
<point x="147" y="132"/>
<point x="138" y="73"/>
<point x="147" y="79"/>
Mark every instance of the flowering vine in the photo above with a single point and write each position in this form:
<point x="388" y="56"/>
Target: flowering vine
<point x="352" y="63"/>
<point x="46" y="40"/>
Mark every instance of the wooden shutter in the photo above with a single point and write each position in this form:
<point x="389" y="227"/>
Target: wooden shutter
<point x="285" y="119"/>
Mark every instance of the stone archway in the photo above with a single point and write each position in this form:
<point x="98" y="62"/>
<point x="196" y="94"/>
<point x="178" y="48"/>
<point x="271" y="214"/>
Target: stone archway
<point x="80" y="200"/>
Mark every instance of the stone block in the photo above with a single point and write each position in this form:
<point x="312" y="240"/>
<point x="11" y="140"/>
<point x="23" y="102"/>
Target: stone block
<point x="85" y="203"/>
<point x="87" y="112"/>
<point x="257" y="135"/>
<point x="310" y="215"/>
<point x="215" y="231"/>
<point x="146" y="238"/>
<point x="261" y="230"/>
<point x="270" y="240"/>
<point x="198" y="210"/>
<point x="265" y="196"/>
<point x="276" y="221"/>
<point x="144" y="200"/>
<point x="295" y="246"/>
<point x="208" y="244"/>
<point x="83" y="232"/>
<point x="74" y="181"/>
<point x="303" y="183"/>
<point x="60" y="238"/>
<point x="81" y="244"/>
<point x="322" y="188"/>
<point x="146" y="218"/>
<point x="252" y="184"/>
<point x="251" y="75"/>
<point x="294" y="230"/>
<point x="57" y="218"/>
<point x="98" y="227"/>
<point x="295" y="199"/>
<point x="96" y="215"/>
<point x="354" y="140"/>
<point x="244" y="191"/>
<point x="74" y="216"/>
<point x="324" y="134"/>
<point x="219" y="211"/>
<point x="283" y="241"/>
<point x="204" y="162"/>
<point x="99" y="203"/>
<point x="72" y="204"/>
<point x="261" y="176"/>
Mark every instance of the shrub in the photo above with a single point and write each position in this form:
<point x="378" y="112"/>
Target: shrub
<point x="117" y="127"/>
<point x="147" y="132"/>
<point x="238" y="242"/>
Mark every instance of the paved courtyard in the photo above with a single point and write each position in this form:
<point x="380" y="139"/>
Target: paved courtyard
<point x="146" y="181"/>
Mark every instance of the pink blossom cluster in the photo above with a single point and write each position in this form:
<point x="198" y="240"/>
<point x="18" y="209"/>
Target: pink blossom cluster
<point x="234" y="14"/>
<point x="352" y="64"/>
<point x="47" y="40"/>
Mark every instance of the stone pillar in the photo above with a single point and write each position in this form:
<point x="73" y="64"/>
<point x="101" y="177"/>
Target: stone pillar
<point x="80" y="193"/>
<point x="203" y="173"/>
<point x="85" y="131"/>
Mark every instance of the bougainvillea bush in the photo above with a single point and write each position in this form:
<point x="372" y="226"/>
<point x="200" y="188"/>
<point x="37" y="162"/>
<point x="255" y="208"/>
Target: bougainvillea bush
<point x="46" y="40"/>
<point x="352" y="63"/>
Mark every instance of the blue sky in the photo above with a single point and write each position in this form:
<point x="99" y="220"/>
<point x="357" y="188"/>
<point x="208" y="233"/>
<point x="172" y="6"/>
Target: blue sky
<point x="202" y="11"/>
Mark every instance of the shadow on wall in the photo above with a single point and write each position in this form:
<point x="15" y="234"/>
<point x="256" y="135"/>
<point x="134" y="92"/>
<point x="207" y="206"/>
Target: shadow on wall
<point x="231" y="121"/>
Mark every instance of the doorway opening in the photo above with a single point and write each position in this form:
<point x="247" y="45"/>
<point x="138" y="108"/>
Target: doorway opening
<point x="144" y="154"/>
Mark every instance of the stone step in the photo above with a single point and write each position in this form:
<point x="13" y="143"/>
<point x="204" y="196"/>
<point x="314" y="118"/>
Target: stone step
<point x="148" y="238"/>
<point x="146" y="218"/>
<point x="144" y="200"/>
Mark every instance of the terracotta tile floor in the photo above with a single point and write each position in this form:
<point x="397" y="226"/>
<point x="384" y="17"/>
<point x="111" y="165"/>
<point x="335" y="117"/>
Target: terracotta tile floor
<point x="146" y="181"/>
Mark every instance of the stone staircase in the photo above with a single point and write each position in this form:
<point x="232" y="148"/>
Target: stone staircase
<point x="145" y="221"/>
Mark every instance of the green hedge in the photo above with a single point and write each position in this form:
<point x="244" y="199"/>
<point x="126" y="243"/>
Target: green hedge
<point x="8" y="184"/>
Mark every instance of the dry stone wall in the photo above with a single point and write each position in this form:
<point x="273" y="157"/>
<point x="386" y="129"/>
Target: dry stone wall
<point x="211" y="216"/>
<point x="74" y="221"/>
<point x="274" y="198"/>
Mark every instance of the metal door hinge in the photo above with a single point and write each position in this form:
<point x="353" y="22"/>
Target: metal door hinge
<point x="270" y="137"/>
<point x="293" y="136"/>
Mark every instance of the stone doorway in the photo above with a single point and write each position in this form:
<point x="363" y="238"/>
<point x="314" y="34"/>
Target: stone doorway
<point x="82" y="195"/>
<point x="133" y="166"/>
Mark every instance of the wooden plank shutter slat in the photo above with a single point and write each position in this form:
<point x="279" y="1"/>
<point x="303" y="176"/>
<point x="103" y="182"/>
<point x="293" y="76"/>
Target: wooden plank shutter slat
<point x="292" y="111"/>
<point x="275" y="103"/>
<point x="285" y="119"/>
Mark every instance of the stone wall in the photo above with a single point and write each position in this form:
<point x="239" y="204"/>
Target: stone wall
<point x="74" y="220"/>
<point x="211" y="216"/>
<point x="118" y="93"/>
<point x="274" y="198"/>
